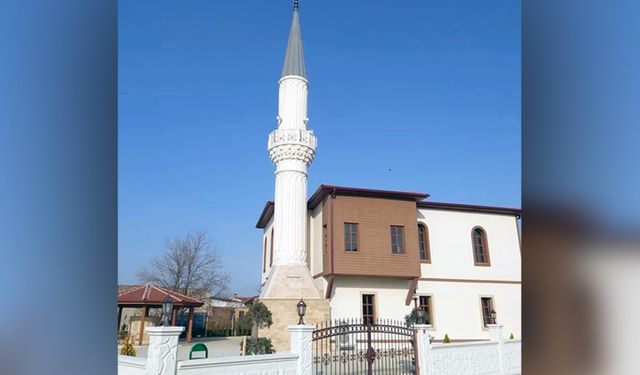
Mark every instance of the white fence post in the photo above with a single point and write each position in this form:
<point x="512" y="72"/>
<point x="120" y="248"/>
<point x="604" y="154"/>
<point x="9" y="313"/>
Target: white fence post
<point x="301" y="338"/>
<point x="423" y="348"/>
<point x="495" y="332"/>
<point x="162" y="358"/>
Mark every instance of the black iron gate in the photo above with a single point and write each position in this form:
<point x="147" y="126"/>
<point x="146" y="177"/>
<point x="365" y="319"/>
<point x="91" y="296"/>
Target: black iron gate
<point x="357" y="347"/>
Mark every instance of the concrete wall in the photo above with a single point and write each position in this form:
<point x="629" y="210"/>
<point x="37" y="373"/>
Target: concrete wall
<point x="269" y="364"/>
<point x="131" y="365"/>
<point x="495" y="356"/>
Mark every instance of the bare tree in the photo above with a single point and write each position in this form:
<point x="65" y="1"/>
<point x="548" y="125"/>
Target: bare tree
<point x="189" y="266"/>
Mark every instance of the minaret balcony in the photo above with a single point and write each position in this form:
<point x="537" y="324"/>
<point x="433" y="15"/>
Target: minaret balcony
<point x="302" y="137"/>
<point x="297" y="144"/>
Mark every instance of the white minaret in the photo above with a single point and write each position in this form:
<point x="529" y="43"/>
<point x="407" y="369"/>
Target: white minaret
<point x="292" y="148"/>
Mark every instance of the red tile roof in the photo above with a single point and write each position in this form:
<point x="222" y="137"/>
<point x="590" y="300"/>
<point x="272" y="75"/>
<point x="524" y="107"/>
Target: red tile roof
<point x="150" y="294"/>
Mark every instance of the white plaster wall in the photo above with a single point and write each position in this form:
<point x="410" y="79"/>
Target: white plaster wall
<point x="389" y="298"/>
<point x="456" y="306"/>
<point x="266" y="233"/>
<point x="451" y="248"/>
<point x="457" y="310"/>
<point x="314" y="243"/>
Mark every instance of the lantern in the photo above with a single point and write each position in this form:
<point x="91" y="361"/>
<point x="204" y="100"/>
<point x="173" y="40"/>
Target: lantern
<point x="302" y="308"/>
<point x="167" y="309"/>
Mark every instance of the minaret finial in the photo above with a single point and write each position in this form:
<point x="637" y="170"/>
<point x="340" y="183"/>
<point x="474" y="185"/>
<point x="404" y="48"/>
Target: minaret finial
<point x="295" y="4"/>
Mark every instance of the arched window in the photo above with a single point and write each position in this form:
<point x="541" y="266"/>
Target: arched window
<point x="271" y="250"/>
<point x="423" y="243"/>
<point x="480" y="248"/>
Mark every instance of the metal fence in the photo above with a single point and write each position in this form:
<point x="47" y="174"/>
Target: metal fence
<point x="356" y="346"/>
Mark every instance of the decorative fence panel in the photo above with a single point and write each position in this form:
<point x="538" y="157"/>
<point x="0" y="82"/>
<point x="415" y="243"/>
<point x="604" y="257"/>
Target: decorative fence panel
<point x="512" y="356"/>
<point x="268" y="364"/>
<point x="467" y="358"/>
<point x="350" y="347"/>
<point x="131" y="365"/>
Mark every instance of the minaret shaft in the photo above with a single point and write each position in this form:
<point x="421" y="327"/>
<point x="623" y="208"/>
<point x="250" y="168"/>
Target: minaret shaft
<point x="292" y="148"/>
<point x="292" y="103"/>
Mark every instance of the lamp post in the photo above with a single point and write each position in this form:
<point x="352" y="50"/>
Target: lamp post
<point x="167" y="309"/>
<point x="493" y="316"/>
<point x="302" y="308"/>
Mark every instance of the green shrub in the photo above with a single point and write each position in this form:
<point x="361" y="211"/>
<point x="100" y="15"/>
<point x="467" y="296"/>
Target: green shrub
<point x="245" y="323"/>
<point x="511" y="337"/>
<point x="260" y="314"/>
<point x="261" y="345"/>
<point x="123" y="333"/>
<point x="446" y="339"/>
<point x="127" y="348"/>
<point x="412" y="318"/>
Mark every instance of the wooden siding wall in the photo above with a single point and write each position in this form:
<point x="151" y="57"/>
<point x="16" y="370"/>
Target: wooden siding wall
<point x="374" y="217"/>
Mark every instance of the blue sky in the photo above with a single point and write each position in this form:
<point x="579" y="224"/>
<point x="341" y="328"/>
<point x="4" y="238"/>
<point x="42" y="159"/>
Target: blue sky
<point x="406" y="95"/>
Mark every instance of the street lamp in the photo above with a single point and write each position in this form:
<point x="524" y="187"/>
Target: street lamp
<point x="493" y="316"/>
<point x="167" y="309"/>
<point x="302" y="308"/>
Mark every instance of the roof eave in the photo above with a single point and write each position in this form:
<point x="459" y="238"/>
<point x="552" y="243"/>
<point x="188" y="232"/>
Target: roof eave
<point x="471" y="208"/>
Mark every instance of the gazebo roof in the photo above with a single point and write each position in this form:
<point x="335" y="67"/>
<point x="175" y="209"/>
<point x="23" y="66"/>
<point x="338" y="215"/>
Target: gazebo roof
<point x="151" y="295"/>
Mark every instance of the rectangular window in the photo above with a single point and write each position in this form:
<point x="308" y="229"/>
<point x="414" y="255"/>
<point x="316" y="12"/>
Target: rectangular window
<point x="264" y="255"/>
<point x="368" y="313"/>
<point x="487" y="306"/>
<point x="425" y="302"/>
<point x="350" y="237"/>
<point x="397" y="239"/>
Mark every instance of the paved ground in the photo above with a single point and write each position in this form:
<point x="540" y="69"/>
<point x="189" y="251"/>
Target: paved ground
<point x="218" y="347"/>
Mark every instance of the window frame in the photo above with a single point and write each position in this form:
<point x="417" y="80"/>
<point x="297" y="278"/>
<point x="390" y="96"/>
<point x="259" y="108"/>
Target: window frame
<point x="264" y="255"/>
<point x="482" y="311"/>
<point x="430" y="310"/>
<point x="485" y="247"/>
<point x="404" y="251"/>
<point x="373" y="305"/>
<point x="426" y="242"/>
<point x="271" y="249"/>
<point x="357" y="237"/>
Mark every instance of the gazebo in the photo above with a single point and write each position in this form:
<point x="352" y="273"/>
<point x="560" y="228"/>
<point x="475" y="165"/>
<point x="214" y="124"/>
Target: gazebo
<point x="150" y="296"/>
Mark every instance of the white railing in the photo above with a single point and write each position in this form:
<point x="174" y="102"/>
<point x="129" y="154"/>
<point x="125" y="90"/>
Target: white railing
<point x="267" y="364"/>
<point x="298" y="136"/>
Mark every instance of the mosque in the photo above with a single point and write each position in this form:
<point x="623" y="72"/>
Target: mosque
<point x="375" y="254"/>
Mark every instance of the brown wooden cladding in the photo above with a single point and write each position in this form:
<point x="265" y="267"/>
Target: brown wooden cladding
<point x="374" y="217"/>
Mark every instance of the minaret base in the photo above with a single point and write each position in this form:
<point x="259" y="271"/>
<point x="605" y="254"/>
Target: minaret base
<point x="290" y="282"/>
<point x="282" y="292"/>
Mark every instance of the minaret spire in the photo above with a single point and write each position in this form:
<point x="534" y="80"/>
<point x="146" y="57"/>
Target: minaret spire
<point x="294" y="58"/>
